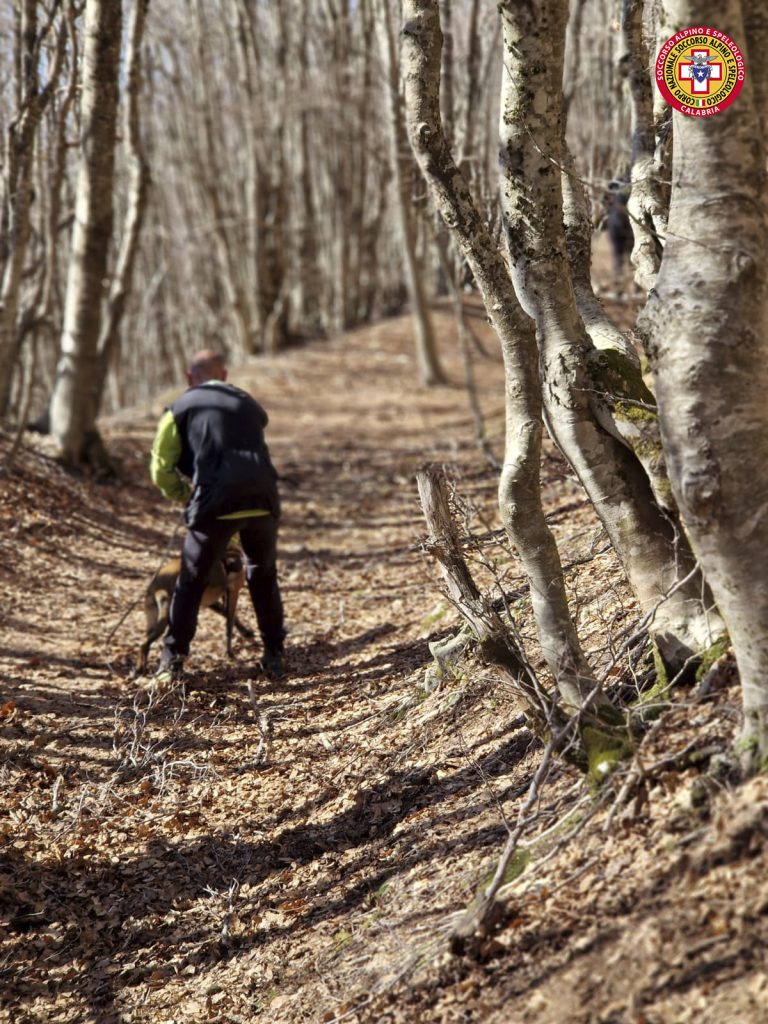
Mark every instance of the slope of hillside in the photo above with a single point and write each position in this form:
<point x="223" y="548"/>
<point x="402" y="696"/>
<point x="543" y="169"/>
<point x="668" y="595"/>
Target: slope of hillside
<point x="237" y="850"/>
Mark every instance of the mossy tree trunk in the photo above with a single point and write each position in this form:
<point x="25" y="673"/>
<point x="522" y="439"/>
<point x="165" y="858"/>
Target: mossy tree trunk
<point x="519" y="487"/>
<point x="709" y="353"/>
<point x="657" y="559"/>
<point x="619" y="398"/>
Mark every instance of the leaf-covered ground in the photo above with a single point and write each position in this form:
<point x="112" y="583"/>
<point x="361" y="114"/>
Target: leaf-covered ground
<point x="237" y="850"/>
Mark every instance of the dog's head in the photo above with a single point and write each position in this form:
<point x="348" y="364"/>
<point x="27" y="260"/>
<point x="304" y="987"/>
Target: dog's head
<point x="233" y="560"/>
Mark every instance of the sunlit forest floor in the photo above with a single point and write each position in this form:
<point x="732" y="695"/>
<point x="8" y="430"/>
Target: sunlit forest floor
<point x="239" y="850"/>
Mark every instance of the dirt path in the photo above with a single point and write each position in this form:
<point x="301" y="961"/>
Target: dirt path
<point x="158" y="867"/>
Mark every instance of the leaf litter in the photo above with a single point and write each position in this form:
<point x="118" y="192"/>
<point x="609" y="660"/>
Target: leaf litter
<point x="237" y="850"/>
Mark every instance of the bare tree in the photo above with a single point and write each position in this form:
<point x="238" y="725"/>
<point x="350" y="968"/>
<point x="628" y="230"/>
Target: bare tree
<point x="519" y="491"/>
<point x="655" y="555"/>
<point x="426" y="349"/>
<point x="17" y="181"/>
<point x="709" y="317"/>
<point x="76" y="396"/>
<point x="646" y="206"/>
<point x="108" y="346"/>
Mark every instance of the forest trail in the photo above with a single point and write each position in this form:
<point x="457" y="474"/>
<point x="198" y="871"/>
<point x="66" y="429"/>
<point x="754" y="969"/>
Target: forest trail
<point x="160" y="865"/>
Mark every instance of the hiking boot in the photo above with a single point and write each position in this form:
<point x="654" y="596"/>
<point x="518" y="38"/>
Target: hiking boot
<point x="273" y="664"/>
<point x="168" y="673"/>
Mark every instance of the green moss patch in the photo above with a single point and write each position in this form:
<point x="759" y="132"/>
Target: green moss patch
<point x="514" y="869"/>
<point x="711" y="655"/>
<point x="604" y="748"/>
<point x="613" y="373"/>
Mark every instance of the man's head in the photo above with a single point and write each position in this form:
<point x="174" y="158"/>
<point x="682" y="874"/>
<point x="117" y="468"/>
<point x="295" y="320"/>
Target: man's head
<point x="206" y="365"/>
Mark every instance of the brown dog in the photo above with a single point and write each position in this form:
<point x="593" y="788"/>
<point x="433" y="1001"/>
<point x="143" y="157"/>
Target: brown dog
<point x="225" y="582"/>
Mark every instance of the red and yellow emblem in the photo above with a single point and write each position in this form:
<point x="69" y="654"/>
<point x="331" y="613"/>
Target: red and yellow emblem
<point x="700" y="71"/>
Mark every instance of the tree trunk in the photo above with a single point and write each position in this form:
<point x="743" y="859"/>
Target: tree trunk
<point x="474" y="57"/>
<point x="138" y="189"/>
<point x="645" y="202"/>
<point x="18" y="180"/>
<point x="76" y="396"/>
<point x="519" y="493"/>
<point x="447" y="72"/>
<point x="430" y="370"/>
<point x="654" y="555"/>
<point x="620" y="401"/>
<point x="710" y="358"/>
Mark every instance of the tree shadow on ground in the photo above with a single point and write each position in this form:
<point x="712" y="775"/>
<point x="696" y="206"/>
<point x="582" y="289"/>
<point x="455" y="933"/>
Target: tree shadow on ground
<point x="103" y="912"/>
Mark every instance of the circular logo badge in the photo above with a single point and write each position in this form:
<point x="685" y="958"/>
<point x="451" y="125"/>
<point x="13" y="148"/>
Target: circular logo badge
<point x="700" y="71"/>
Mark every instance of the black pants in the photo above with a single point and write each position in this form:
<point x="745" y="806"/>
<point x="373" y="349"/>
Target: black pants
<point x="203" y="545"/>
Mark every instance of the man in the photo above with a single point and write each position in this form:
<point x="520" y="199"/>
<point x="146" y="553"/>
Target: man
<point x="213" y="436"/>
<point x="618" y="224"/>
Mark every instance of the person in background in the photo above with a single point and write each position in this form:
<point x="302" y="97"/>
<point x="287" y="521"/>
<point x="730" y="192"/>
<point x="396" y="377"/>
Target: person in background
<point x="209" y="452"/>
<point x="618" y="224"/>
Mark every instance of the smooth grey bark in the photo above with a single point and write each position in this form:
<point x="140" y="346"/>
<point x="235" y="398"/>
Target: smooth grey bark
<point x="430" y="370"/>
<point x="138" y="189"/>
<point x="75" y="399"/>
<point x="655" y="556"/>
<point x="577" y="219"/>
<point x="709" y="353"/>
<point x="619" y="398"/>
<point x="519" y="488"/>
<point x="645" y="205"/>
<point x="756" y="38"/>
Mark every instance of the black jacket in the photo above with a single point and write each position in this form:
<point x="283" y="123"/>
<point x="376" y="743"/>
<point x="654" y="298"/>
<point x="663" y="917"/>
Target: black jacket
<point x="223" y="452"/>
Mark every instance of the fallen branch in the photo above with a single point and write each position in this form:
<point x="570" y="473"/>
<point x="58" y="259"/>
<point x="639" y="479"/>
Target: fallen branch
<point x="496" y="642"/>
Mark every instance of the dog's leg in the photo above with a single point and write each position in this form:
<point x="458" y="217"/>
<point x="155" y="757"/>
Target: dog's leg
<point x="220" y="609"/>
<point x="156" y="633"/>
<point x="156" y="609"/>
<point x="230" y="616"/>
<point x="243" y="630"/>
<point x="234" y="583"/>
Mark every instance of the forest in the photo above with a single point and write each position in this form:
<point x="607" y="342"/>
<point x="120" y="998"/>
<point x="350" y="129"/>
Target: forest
<point x="495" y="274"/>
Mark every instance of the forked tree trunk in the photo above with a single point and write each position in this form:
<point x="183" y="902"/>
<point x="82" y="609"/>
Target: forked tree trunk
<point x="619" y="398"/>
<point x="519" y="491"/>
<point x="710" y="357"/>
<point x="657" y="560"/>
<point x="75" y="399"/>
<point x="577" y="218"/>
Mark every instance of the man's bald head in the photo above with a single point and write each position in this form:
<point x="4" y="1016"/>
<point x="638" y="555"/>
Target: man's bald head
<point x="206" y="365"/>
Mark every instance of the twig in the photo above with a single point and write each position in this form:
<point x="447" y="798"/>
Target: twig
<point x="645" y="622"/>
<point x="476" y="917"/>
<point x="266" y="728"/>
